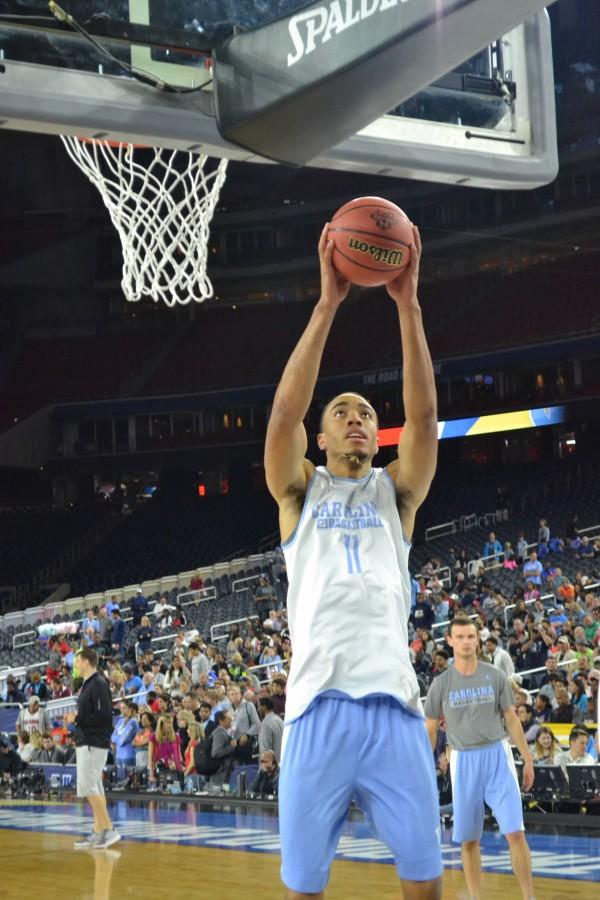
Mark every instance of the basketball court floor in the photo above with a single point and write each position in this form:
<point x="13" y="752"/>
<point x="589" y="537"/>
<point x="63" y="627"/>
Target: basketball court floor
<point x="175" y="849"/>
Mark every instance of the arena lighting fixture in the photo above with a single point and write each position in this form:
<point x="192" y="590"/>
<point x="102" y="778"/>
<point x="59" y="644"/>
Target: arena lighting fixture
<point x="492" y="424"/>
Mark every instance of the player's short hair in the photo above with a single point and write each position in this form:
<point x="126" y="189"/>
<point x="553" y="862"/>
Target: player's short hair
<point x="460" y="621"/>
<point x="492" y="638"/>
<point x="578" y="731"/>
<point x="343" y="394"/>
<point x="90" y="656"/>
<point x="267" y="703"/>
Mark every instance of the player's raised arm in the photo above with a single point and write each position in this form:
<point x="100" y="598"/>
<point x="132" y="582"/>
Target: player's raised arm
<point x="414" y="469"/>
<point x="286" y="468"/>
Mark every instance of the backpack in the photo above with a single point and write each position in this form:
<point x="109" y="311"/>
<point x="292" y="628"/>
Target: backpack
<point x="203" y="759"/>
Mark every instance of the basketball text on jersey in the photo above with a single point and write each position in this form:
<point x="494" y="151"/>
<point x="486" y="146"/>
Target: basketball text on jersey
<point x="340" y="515"/>
<point x="347" y="566"/>
<point x="324" y="22"/>
<point x="472" y="696"/>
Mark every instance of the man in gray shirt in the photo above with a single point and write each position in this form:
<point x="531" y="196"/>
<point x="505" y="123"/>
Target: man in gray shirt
<point x="198" y="662"/>
<point x="476" y="702"/>
<point x="270" y="734"/>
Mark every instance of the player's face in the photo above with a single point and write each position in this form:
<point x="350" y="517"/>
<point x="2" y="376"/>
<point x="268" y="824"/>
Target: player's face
<point x="464" y="640"/>
<point x="349" y="428"/>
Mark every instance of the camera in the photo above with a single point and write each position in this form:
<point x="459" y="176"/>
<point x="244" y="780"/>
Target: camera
<point x="27" y="783"/>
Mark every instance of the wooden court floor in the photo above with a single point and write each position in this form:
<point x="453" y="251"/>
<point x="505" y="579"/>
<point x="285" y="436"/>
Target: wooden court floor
<point x="43" y="866"/>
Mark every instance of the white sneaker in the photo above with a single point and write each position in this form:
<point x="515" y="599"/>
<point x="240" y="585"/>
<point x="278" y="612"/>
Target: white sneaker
<point x="107" y="839"/>
<point x="91" y="840"/>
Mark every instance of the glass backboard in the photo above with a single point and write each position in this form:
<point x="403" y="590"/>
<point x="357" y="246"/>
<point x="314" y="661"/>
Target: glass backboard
<point x="487" y="121"/>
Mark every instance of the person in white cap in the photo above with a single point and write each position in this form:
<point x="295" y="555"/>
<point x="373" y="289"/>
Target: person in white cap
<point x="33" y="717"/>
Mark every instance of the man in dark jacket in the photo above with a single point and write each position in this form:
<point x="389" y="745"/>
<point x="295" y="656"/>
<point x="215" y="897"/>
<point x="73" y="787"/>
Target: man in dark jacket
<point x="223" y="747"/>
<point x="10" y="761"/>
<point x="267" y="781"/>
<point x="139" y="607"/>
<point x="93" y="729"/>
<point x="117" y="636"/>
<point x="13" y="693"/>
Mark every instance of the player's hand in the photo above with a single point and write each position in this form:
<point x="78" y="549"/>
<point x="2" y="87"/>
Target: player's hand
<point x="403" y="290"/>
<point x="528" y="775"/>
<point x="334" y="288"/>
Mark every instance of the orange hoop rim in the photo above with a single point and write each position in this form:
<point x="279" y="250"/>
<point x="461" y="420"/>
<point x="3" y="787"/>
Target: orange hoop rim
<point x="107" y="143"/>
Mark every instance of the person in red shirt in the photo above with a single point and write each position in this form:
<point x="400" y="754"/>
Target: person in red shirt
<point x="196" y="584"/>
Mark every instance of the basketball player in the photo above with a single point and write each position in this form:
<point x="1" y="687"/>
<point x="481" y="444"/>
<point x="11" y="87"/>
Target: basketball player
<point x="476" y="701"/>
<point x="354" y="727"/>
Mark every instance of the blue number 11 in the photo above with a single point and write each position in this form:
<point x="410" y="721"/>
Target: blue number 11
<point x="352" y="557"/>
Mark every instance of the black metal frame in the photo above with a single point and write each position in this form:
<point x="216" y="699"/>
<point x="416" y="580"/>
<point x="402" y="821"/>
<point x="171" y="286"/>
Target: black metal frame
<point x="115" y="30"/>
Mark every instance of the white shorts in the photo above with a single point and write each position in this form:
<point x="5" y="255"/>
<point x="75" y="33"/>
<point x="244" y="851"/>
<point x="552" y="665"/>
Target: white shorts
<point x="90" y="764"/>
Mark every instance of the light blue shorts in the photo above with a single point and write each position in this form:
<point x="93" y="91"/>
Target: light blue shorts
<point x="484" y="775"/>
<point x="371" y="750"/>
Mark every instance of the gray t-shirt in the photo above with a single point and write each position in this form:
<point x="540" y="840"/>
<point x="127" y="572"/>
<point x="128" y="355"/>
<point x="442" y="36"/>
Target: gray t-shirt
<point x="471" y="705"/>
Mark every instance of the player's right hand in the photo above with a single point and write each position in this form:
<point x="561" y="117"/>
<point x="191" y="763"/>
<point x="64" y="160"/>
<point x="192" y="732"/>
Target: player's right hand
<point x="528" y="775"/>
<point x="334" y="288"/>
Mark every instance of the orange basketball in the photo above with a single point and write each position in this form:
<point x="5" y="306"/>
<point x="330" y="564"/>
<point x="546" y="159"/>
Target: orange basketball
<point x="372" y="239"/>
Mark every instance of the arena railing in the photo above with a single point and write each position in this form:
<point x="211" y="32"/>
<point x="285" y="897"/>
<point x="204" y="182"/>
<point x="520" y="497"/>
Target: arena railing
<point x="22" y="634"/>
<point x="498" y="558"/>
<point x="229" y="622"/>
<point x="19" y="671"/>
<point x="122" y="595"/>
<point x="463" y="523"/>
<point x="156" y="640"/>
<point x="445" y="579"/>
<point x="447" y="622"/>
<point x="544" y="598"/>
<point x="276" y="666"/>
<point x="245" y="582"/>
<point x="209" y="593"/>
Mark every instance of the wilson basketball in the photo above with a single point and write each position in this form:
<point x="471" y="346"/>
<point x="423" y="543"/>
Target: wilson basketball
<point x="372" y="239"/>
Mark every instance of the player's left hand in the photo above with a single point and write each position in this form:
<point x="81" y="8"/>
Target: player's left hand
<point x="528" y="775"/>
<point x="403" y="290"/>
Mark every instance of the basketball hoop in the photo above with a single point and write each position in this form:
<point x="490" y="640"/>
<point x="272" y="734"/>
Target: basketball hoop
<point x="161" y="206"/>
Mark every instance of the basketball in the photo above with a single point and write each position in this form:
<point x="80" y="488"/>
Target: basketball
<point x="372" y="239"/>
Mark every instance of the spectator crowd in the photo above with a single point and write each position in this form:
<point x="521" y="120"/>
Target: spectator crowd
<point x="188" y="715"/>
<point x="185" y="716"/>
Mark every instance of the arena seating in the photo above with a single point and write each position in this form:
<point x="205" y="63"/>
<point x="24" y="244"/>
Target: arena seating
<point x="227" y="605"/>
<point x="174" y="536"/>
<point x="74" y="368"/>
<point x="555" y="490"/>
<point x="227" y="346"/>
<point x="560" y="295"/>
<point x="31" y="539"/>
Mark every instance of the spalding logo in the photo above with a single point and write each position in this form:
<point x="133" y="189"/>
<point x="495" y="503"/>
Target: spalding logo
<point x="317" y="26"/>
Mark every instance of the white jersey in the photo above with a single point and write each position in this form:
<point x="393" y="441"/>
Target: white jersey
<point x="349" y="593"/>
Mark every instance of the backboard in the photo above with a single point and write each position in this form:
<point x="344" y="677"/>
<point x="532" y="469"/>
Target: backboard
<point x="283" y="81"/>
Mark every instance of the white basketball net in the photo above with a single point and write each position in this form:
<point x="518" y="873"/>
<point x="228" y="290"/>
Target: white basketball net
<point x="161" y="206"/>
